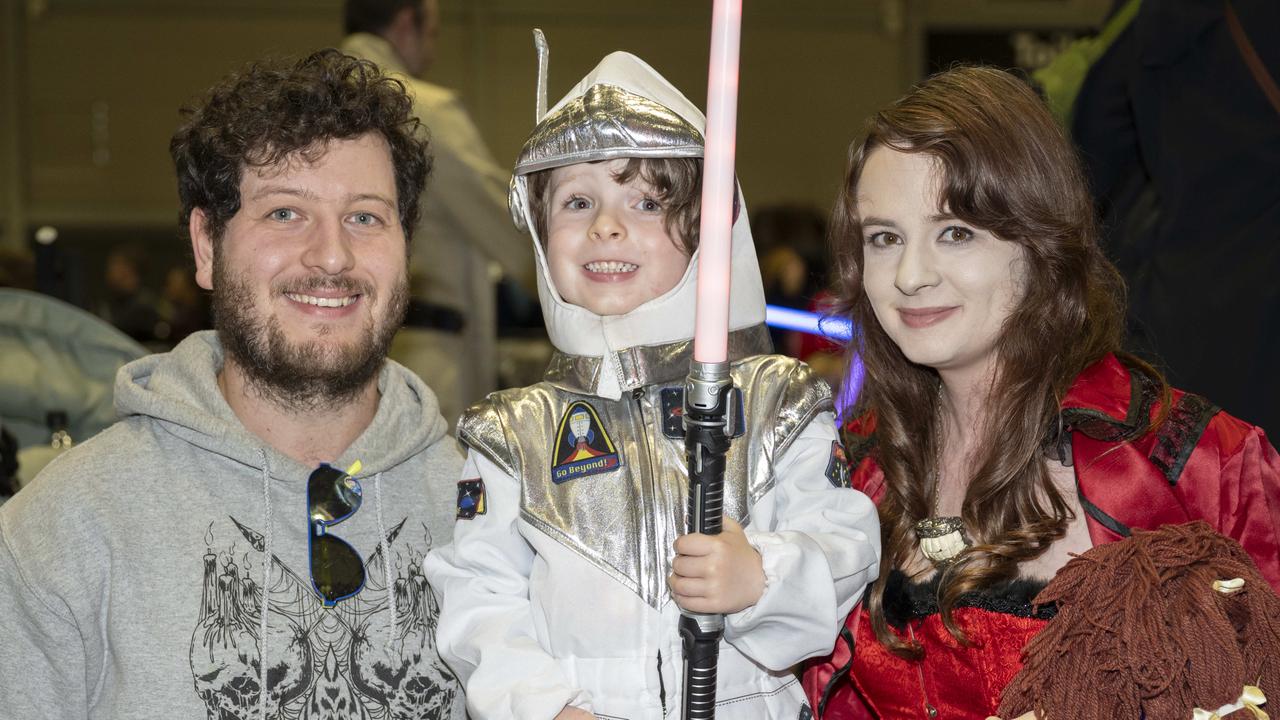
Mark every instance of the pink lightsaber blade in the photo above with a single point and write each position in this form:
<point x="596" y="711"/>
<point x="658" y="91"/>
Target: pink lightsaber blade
<point x="711" y="323"/>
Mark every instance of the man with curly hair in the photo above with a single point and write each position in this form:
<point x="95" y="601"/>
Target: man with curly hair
<point x="247" y="541"/>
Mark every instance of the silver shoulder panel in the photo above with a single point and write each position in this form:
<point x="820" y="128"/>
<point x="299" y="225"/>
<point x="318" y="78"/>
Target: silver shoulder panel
<point x="481" y="429"/>
<point x="802" y="395"/>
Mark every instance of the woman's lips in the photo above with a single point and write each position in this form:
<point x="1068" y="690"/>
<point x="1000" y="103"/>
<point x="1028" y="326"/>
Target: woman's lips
<point x="924" y="317"/>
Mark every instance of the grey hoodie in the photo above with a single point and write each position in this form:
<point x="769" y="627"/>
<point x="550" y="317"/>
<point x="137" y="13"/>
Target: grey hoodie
<point x="132" y="569"/>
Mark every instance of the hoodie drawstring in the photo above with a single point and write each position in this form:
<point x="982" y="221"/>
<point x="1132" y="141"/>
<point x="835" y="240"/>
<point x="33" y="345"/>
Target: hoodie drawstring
<point x="386" y="556"/>
<point x="266" y="580"/>
<point x="267" y="567"/>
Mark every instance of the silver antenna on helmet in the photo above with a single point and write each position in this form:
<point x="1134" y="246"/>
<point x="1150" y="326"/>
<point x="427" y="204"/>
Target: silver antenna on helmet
<point x="540" y="42"/>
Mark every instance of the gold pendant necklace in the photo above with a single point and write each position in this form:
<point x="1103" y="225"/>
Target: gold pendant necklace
<point x="941" y="539"/>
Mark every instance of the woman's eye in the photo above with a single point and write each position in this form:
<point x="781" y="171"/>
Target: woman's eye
<point x="283" y="214"/>
<point x="883" y="239"/>
<point x="365" y="219"/>
<point x="957" y="234"/>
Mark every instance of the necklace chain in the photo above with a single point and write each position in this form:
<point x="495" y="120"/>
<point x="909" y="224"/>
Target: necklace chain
<point x="941" y="539"/>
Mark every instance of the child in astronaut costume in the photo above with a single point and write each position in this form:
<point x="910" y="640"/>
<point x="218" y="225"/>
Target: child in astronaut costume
<point x="555" y="596"/>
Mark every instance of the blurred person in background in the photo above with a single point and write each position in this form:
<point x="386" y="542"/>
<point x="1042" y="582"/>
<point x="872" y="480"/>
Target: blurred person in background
<point x="1178" y="122"/>
<point x="127" y="302"/>
<point x="466" y="226"/>
<point x="183" y="307"/>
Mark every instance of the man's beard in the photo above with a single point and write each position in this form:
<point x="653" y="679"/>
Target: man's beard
<point x="307" y="376"/>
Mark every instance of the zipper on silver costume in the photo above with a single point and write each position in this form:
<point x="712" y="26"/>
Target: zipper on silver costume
<point x="662" y="686"/>
<point x="650" y="482"/>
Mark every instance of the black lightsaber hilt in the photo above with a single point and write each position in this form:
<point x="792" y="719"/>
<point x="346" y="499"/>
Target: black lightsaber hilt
<point x="707" y="395"/>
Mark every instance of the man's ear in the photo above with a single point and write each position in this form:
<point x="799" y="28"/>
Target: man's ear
<point x="201" y="247"/>
<point x="403" y="27"/>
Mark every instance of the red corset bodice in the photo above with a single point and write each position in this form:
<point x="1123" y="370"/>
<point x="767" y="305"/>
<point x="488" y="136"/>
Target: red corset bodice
<point x="959" y="682"/>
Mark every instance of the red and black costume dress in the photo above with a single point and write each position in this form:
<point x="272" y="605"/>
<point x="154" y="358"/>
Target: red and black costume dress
<point x="1200" y="464"/>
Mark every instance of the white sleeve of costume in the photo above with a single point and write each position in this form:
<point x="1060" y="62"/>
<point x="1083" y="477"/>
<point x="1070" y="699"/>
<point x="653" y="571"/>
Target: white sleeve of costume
<point x="486" y="628"/>
<point x="820" y="546"/>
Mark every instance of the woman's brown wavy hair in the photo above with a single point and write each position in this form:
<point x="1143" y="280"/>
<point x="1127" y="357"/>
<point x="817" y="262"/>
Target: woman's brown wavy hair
<point x="1007" y="168"/>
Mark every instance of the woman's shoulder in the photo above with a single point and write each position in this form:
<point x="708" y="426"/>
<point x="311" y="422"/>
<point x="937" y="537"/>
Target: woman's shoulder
<point x="1119" y="399"/>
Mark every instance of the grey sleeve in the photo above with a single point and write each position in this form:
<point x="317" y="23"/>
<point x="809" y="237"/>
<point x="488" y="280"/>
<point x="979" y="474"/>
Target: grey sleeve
<point x="43" y="673"/>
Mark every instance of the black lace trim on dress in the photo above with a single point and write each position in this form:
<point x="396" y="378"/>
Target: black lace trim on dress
<point x="905" y="601"/>
<point x="1180" y="434"/>
<point x="1143" y="393"/>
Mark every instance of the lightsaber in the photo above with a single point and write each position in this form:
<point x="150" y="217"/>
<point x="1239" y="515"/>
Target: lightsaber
<point x="709" y="388"/>
<point x="831" y="327"/>
<point x="828" y="326"/>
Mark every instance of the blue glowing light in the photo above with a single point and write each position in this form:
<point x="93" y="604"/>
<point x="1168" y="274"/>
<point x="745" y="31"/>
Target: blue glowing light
<point x="836" y="328"/>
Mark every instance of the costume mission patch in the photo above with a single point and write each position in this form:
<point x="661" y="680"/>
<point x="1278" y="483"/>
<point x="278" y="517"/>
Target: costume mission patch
<point x="471" y="499"/>
<point x="582" y="445"/>
<point x="838" y="466"/>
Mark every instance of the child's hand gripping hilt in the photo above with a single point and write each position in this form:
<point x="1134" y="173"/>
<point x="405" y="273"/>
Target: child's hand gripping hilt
<point x="708" y="394"/>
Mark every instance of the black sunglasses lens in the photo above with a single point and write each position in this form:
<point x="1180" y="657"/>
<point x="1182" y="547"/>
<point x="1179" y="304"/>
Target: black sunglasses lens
<point x="336" y="569"/>
<point x="332" y="495"/>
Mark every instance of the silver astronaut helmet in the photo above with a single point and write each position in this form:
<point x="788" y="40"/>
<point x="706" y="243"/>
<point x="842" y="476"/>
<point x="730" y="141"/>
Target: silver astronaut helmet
<point x="623" y="108"/>
<point x="604" y="123"/>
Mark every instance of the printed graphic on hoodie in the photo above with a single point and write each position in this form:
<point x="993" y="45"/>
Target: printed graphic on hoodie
<point x="336" y="663"/>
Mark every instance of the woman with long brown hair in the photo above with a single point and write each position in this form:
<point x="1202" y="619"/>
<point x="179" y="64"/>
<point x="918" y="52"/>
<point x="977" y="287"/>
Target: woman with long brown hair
<point x="1000" y="429"/>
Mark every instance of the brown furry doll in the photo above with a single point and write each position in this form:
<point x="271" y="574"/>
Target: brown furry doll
<point x="1173" y="623"/>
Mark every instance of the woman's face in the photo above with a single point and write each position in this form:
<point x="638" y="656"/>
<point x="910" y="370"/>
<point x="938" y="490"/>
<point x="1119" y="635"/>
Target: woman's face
<point x="941" y="288"/>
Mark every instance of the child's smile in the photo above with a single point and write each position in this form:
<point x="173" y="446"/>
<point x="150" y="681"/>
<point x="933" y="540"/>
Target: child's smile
<point x="610" y="269"/>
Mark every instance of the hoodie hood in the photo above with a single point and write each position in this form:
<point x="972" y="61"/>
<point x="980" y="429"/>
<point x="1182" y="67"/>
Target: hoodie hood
<point x="179" y="390"/>
<point x="624" y="108"/>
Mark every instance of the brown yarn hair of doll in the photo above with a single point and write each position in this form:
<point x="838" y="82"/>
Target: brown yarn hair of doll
<point x="1141" y="629"/>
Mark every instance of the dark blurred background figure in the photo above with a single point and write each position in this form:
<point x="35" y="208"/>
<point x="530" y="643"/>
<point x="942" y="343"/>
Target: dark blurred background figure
<point x="786" y="283"/>
<point x="183" y="307"/>
<point x="791" y="243"/>
<point x="127" y="302"/>
<point x="1179" y="125"/>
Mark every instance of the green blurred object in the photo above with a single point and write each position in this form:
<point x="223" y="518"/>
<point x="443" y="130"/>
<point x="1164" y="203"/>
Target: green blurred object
<point x="1061" y="79"/>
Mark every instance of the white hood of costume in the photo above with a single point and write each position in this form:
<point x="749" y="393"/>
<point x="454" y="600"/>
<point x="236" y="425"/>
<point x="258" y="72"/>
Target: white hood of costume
<point x="624" y="108"/>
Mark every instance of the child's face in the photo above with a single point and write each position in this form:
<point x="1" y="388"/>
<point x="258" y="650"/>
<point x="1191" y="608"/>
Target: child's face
<point x="607" y="244"/>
